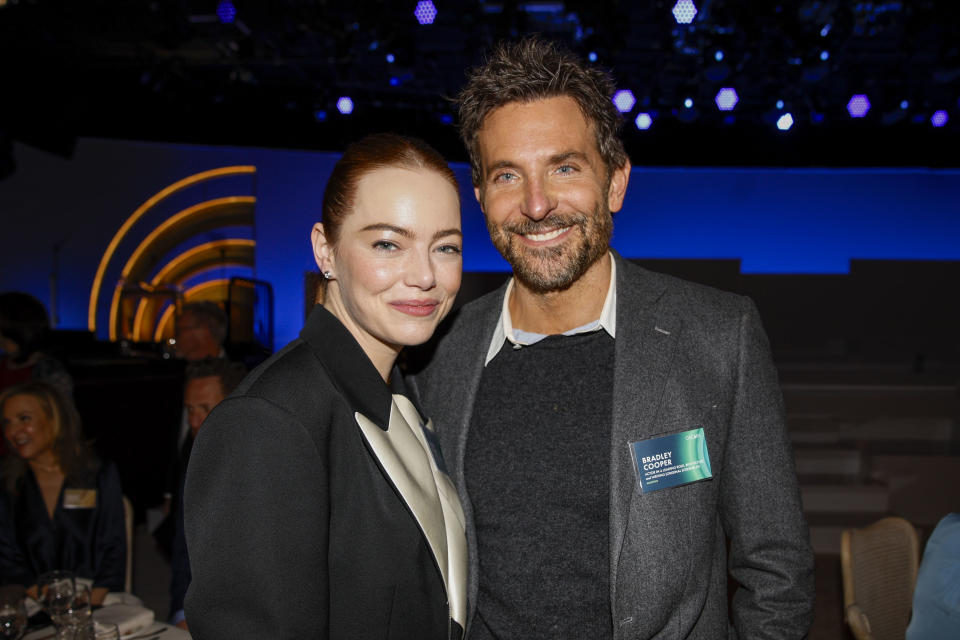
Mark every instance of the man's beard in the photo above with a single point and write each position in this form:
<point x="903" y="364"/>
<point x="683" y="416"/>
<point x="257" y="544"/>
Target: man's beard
<point x="554" y="268"/>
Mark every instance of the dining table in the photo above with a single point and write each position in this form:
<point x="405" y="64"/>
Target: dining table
<point x="154" y="631"/>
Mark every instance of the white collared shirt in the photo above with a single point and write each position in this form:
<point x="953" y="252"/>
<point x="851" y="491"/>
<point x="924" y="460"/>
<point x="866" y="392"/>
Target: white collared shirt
<point x="504" y="330"/>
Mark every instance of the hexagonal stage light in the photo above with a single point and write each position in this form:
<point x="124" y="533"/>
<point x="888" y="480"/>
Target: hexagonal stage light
<point x="643" y="121"/>
<point x="345" y="105"/>
<point x="939" y="118"/>
<point x="624" y="100"/>
<point x="858" y="106"/>
<point x="425" y="12"/>
<point x="684" y="11"/>
<point x="785" y="122"/>
<point x="226" y="11"/>
<point x="727" y="99"/>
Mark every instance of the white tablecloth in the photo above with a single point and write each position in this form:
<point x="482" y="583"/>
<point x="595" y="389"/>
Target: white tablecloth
<point x="168" y="633"/>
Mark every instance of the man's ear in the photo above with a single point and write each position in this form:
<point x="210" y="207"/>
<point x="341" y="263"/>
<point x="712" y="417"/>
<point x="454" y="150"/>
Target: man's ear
<point x="617" y="190"/>
<point x="479" y="196"/>
<point x="322" y="250"/>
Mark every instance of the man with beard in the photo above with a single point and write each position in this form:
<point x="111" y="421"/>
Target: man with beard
<point x="616" y="435"/>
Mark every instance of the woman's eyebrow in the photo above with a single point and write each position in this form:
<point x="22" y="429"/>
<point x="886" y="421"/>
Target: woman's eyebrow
<point x="406" y="233"/>
<point x="383" y="226"/>
<point x="447" y="232"/>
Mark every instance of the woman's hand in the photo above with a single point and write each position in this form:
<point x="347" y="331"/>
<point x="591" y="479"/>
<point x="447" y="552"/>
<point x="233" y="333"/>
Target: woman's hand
<point x="97" y="594"/>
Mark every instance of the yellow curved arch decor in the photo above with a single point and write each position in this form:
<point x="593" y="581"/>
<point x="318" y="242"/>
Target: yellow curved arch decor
<point x="151" y="202"/>
<point x="229" y="252"/>
<point x="212" y="214"/>
<point x="216" y="290"/>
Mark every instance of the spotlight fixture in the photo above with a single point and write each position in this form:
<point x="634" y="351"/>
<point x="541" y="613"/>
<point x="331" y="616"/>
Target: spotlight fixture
<point x="858" y="106"/>
<point x="727" y="99"/>
<point x="939" y="118"/>
<point x="684" y="11"/>
<point x="785" y="122"/>
<point x="624" y="100"/>
<point x="226" y="12"/>
<point x="426" y="12"/>
<point x="643" y="121"/>
<point x="345" y="105"/>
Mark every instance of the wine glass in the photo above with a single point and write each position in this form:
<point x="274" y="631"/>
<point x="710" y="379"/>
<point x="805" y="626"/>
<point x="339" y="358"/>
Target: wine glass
<point x="89" y="630"/>
<point x="73" y="616"/>
<point x="13" y="619"/>
<point x="55" y="590"/>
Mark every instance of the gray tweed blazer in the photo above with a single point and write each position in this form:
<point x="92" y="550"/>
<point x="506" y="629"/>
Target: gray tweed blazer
<point x="686" y="356"/>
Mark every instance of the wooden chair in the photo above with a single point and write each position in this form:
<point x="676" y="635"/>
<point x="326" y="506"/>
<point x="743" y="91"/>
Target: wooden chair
<point x="879" y="565"/>
<point x="128" y="527"/>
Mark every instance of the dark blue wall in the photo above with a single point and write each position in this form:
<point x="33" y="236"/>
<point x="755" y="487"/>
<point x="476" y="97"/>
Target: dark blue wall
<point x="774" y="220"/>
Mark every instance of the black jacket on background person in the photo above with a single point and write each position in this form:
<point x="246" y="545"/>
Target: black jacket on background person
<point x="90" y="541"/>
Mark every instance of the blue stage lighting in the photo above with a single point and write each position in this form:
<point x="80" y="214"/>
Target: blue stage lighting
<point x="718" y="56"/>
<point x="824" y="55"/>
<point x="394" y="81"/>
<point x="939" y="118"/>
<point x="391" y="58"/>
<point x="425" y="12"/>
<point x="858" y="106"/>
<point x="345" y="105"/>
<point x="624" y="100"/>
<point x="643" y="121"/>
<point x="446" y="118"/>
<point x="779" y="104"/>
<point x="785" y="122"/>
<point x="320" y="115"/>
<point x="727" y="99"/>
<point x="904" y="104"/>
<point x="688" y="103"/>
<point x="226" y="11"/>
<point x="825" y="30"/>
<point x="592" y="56"/>
<point x="684" y="11"/>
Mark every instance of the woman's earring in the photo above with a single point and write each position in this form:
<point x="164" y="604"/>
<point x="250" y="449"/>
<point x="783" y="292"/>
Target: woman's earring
<point x="328" y="275"/>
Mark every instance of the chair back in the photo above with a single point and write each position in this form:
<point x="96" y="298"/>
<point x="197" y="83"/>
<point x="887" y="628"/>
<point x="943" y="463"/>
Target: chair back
<point x="128" y="528"/>
<point x="879" y="565"/>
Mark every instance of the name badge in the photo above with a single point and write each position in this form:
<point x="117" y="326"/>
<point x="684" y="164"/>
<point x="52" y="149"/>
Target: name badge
<point x="79" y="498"/>
<point x="671" y="460"/>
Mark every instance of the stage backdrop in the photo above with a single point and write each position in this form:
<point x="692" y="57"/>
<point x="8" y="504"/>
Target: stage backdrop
<point x="58" y="216"/>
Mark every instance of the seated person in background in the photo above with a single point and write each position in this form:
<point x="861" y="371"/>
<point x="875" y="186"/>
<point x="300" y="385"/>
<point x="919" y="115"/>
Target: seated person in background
<point x="208" y="383"/>
<point x="201" y="331"/>
<point x="936" y="599"/>
<point x="60" y="507"/>
<point x="24" y="329"/>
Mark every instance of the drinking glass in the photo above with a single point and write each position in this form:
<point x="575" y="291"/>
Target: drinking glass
<point x="55" y="590"/>
<point x="13" y="619"/>
<point x="90" y="630"/>
<point x="72" y="616"/>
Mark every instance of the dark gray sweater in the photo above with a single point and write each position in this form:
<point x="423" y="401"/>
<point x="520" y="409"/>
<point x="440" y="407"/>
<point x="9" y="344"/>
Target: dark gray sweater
<point x="537" y="472"/>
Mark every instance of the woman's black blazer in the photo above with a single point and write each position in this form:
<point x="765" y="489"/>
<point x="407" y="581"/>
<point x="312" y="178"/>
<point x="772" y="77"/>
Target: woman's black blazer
<point x="295" y="526"/>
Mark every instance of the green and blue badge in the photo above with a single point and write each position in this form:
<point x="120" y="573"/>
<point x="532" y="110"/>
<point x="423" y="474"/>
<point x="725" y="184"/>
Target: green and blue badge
<point x="671" y="460"/>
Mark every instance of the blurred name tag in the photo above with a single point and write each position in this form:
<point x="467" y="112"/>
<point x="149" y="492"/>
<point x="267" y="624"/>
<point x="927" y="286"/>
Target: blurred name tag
<point x="79" y="498"/>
